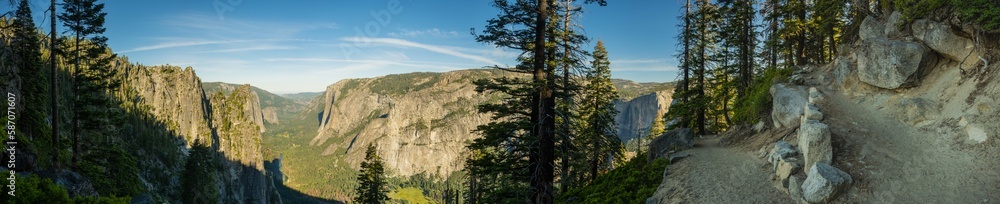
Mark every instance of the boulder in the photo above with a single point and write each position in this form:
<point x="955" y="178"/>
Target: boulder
<point x="941" y="38"/>
<point x="671" y="140"/>
<point x="871" y="28"/>
<point x="893" y="25"/>
<point x="842" y="68"/>
<point x="815" y="97"/>
<point x="780" y="151"/>
<point x="893" y="64"/>
<point x="824" y="182"/>
<point x="814" y="141"/>
<point x="795" y="189"/>
<point x="787" y="102"/>
<point x="811" y="112"/>
<point x="786" y="168"/>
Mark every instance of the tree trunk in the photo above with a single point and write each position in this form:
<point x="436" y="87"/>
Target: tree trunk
<point x="55" y="86"/>
<point x="701" y="72"/>
<point x="564" y="176"/>
<point x="687" y="59"/>
<point x="76" y="105"/>
<point x="541" y="180"/>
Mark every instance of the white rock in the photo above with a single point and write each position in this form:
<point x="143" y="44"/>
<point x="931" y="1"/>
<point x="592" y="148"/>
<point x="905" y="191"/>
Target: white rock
<point x="811" y="112"/>
<point x="940" y="38"/>
<point x="786" y="168"/>
<point x="815" y="97"/>
<point x="824" y="182"/>
<point x="893" y="64"/>
<point x="787" y="105"/>
<point x="976" y="134"/>
<point x="814" y="141"/>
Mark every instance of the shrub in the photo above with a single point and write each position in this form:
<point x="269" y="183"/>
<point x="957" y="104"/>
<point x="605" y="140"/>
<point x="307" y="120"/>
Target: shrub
<point x="983" y="12"/>
<point x="630" y="183"/>
<point x="33" y="189"/>
<point x="757" y="102"/>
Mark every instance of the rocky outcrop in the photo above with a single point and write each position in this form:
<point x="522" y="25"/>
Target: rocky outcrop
<point x="675" y="139"/>
<point x="824" y="182"/>
<point x="636" y="116"/>
<point x="421" y="122"/>
<point x="787" y="105"/>
<point x="892" y="64"/>
<point x="940" y="38"/>
<point x="172" y="95"/>
<point x="237" y="121"/>
<point x="231" y="123"/>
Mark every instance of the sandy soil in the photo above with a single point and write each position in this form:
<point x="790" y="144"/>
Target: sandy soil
<point x="892" y="162"/>
<point x="714" y="174"/>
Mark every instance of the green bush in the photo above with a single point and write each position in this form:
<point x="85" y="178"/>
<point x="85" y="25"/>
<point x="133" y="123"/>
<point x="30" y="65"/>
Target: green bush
<point x="983" y="12"/>
<point x="757" y="102"/>
<point x="630" y="183"/>
<point x="112" y="171"/>
<point x="34" y="189"/>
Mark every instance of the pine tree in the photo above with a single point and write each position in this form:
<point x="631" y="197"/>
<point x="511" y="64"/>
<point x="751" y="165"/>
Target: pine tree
<point x="92" y="73"/>
<point x="599" y="113"/>
<point x="198" y="180"/>
<point x="517" y="150"/>
<point x="371" y="180"/>
<point x="32" y="77"/>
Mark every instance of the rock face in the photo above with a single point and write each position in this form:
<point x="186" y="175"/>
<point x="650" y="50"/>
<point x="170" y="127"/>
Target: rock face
<point x="670" y="140"/>
<point x="787" y="105"/>
<point x="237" y="122"/>
<point x="231" y="123"/>
<point x="824" y="183"/>
<point x="421" y="122"/>
<point x="636" y="116"/>
<point x="892" y="64"/>
<point x="174" y="96"/>
<point x="814" y="140"/>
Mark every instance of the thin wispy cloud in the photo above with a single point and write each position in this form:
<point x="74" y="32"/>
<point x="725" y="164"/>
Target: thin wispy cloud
<point x="167" y="45"/>
<point x="414" y="64"/>
<point x="433" y="32"/>
<point x="432" y="48"/>
<point x="249" y="49"/>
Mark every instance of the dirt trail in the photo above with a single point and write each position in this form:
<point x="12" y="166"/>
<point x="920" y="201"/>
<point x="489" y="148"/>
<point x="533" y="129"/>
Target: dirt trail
<point x="892" y="162"/>
<point x="714" y="174"/>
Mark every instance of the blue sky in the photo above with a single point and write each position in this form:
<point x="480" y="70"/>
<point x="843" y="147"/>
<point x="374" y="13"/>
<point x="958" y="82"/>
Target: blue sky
<point x="287" y="47"/>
